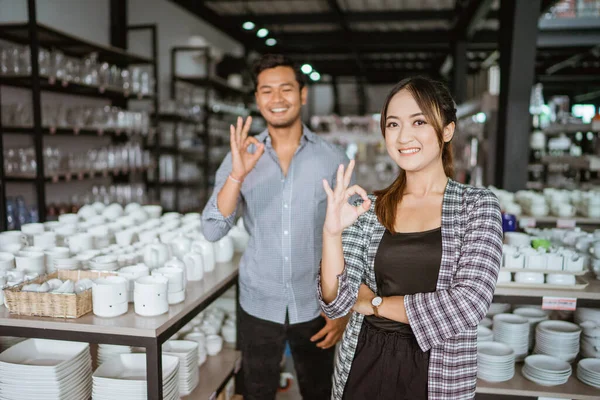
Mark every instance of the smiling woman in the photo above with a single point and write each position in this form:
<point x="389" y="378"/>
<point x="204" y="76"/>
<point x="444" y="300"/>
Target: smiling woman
<point x="415" y="264"/>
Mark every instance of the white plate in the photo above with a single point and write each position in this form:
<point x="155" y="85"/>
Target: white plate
<point x="591" y="365"/>
<point x="562" y="328"/>
<point x="42" y="354"/>
<point x="494" y="349"/>
<point x="547" y="363"/>
<point x="133" y="367"/>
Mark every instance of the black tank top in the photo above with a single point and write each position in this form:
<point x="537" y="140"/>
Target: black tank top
<point x="406" y="263"/>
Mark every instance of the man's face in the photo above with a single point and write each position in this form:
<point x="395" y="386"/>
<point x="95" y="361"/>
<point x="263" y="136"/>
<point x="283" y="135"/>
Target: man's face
<point x="278" y="96"/>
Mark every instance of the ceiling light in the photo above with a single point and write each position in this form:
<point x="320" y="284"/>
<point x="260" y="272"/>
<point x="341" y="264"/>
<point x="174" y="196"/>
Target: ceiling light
<point x="271" y="42"/>
<point x="315" y="76"/>
<point x="248" y="25"/>
<point x="306" y="68"/>
<point x="262" y="32"/>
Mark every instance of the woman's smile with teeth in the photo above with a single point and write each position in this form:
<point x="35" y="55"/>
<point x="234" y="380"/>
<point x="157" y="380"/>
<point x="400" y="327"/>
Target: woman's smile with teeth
<point x="409" y="151"/>
<point x="278" y="110"/>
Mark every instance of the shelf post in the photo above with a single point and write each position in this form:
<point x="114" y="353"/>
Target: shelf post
<point x="518" y="35"/>
<point x="3" y="214"/>
<point x="38" y="139"/>
<point x="154" y="376"/>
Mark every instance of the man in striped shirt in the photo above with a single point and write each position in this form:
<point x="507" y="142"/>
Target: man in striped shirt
<point x="276" y="179"/>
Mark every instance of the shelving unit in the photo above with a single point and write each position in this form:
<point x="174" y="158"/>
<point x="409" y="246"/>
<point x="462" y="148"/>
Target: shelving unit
<point x="520" y="386"/>
<point x="210" y="83"/>
<point x="150" y="332"/>
<point x="37" y="36"/>
<point x="218" y="369"/>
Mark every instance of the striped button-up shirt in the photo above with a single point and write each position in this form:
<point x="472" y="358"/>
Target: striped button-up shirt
<point x="284" y="215"/>
<point x="444" y="321"/>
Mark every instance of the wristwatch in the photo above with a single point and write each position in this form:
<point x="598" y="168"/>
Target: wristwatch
<point x="376" y="302"/>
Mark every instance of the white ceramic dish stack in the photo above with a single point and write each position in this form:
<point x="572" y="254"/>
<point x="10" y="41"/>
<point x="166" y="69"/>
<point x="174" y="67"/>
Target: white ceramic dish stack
<point x="107" y="351"/>
<point x="534" y="316"/>
<point x="486" y="323"/>
<point x="559" y="339"/>
<point x="495" y="362"/>
<point x="44" y="369"/>
<point x="187" y="352"/>
<point x="124" y="377"/>
<point x="497" y="308"/>
<point x="484" y="334"/>
<point x="6" y="342"/>
<point x="583" y="314"/>
<point x="512" y="330"/>
<point x="588" y="372"/>
<point x="590" y="339"/>
<point x="546" y="370"/>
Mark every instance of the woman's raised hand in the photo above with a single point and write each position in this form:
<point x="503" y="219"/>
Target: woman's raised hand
<point x="340" y="213"/>
<point x="243" y="161"/>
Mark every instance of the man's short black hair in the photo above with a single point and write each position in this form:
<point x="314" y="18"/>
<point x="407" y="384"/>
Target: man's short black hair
<point x="269" y="61"/>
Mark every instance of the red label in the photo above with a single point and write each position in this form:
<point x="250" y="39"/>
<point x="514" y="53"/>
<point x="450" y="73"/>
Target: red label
<point x="559" y="303"/>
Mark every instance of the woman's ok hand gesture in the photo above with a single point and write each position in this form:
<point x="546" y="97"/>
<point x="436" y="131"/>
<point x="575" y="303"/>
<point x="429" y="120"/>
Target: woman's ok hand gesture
<point x="340" y="213"/>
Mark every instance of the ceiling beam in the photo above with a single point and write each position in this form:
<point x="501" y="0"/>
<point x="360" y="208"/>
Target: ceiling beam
<point x="349" y="36"/>
<point x="470" y="16"/>
<point x="351" y="17"/>
<point x="200" y="9"/>
<point x="425" y="40"/>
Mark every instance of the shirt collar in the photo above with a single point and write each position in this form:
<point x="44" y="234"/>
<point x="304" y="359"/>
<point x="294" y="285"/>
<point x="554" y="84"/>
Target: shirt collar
<point x="307" y="134"/>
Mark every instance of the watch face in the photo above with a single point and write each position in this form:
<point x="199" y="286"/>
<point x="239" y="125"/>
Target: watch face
<point x="377" y="301"/>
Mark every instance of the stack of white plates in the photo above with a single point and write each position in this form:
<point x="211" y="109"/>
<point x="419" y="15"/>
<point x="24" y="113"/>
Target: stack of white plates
<point x="534" y="316"/>
<point x="512" y="330"/>
<point x="484" y="334"/>
<point x="495" y="362"/>
<point x="187" y="352"/>
<point x="6" y="342"/>
<point x="590" y="339"/>
<point x="497" y="308"/>
<point x="587" y="314"/>
<point x="107" y="351"/>
<point x="558" y="339"/>
<point x="124" y="377"/>
<point x="588" y="372"/>
<point x="546" y="370"/>
<point x="43" y="369"/>
<point x="486" y="323"/>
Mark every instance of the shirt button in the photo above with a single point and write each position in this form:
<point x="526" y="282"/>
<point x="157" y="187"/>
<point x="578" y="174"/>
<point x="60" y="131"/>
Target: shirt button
<point x="285" y="232"/>
<point x="286" y="258"/>
<point x="285" y="205"/>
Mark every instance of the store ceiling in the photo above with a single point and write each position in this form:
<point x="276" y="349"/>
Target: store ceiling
<point x="382" y="40"/>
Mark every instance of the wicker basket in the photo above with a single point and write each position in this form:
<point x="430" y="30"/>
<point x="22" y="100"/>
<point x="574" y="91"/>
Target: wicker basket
<point x="58" y="305"/>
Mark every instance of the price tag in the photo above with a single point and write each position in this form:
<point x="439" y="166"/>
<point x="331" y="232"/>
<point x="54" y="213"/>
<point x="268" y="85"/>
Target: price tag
<point x="566" y="223"/>
<point x="559" y="303"/>
<point x="213" y="396"/>
<point x="527" y="222"/>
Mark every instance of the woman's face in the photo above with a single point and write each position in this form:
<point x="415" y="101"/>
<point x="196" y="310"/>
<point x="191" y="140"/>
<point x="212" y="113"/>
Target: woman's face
<point x="410" y="140"/>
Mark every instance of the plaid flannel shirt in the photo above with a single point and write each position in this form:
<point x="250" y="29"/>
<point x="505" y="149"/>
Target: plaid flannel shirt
<point x="444" y="321"/>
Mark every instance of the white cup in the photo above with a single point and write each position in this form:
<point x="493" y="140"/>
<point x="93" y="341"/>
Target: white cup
<point x="45" y="241"/>
<point x="109" y="290"/>
<point x="561" y="279"/>
<point x="13" y="238"/>
<point x="174" y="275"/>
<point x="110" y="310"/>
<point x="31" y="261"/>
<point x="150" y="306"/>
<point x="125" y="237"/>
<point x="68" y="218"/>
<point x="80" y="242"/>
<point x="504" y="276"/>
<point x="151" y="285"/>
<point x="15" y="275"/>
<point x="229" y="333"/>
<point x="214" y="344"/>
<point x="7" y="261"/>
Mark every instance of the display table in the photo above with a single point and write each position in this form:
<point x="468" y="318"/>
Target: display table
<point x="131" y="329"/>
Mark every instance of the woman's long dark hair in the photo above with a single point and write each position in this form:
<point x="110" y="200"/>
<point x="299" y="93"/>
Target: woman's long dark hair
<point x="437" y="105"/>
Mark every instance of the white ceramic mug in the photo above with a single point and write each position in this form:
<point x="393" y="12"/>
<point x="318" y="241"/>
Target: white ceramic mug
<point x="80" y="242"/>
<point x="7" y="261"/>
<point x="214" y="344"/>
<point x="31" y="261"/>
<point x="13" y="238"/>
<point x="194" y="266"/>
<point x="109" y="290"/>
